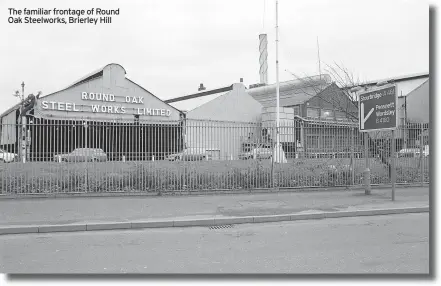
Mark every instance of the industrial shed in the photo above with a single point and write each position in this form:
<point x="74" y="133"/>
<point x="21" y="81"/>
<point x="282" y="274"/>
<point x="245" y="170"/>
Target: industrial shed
<point x="221" y="120"/>
<point x="103" y="109"/>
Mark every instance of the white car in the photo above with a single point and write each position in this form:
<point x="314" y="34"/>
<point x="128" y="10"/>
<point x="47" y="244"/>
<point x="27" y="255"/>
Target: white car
<point x="189" y="154"/>
<point x="413" y="152"/>
<point x="259" y="153"/>
<point x="6" y="157"/>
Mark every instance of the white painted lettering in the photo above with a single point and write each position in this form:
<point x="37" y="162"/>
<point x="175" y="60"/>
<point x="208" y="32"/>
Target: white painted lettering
<point x="128" y="99"/>
<point x="110" y="109"/>
<point x="92" y="96"/>
<point x="95" y="108"/>
<point x="74" y="108"/>
<point x="99" y="96"/>
<point x="141" y="99"/>
<point x="162" y="112"/>
<point x="116" y="109"/>
<point x="53" y="104"/>
<point x="61" y="106"/>
<point x="134" y="100"/>
<point x="149" y="111"/>
<point x="111" y="97"/>
<point x="139" y="111"/>
<point x="44" y="105"/>
<point x="103" y="108"/>
<point x="123" y="109"/>
<point x="105" y="97"/>
<point x="168" y="112"/>
<point x="84" y="95"/>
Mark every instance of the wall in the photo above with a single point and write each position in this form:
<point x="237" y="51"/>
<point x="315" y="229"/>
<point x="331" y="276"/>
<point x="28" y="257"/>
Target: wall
<point x="71" y="103"/>
<point x="224" y="123"/>
<point x="331" y="98"/>
<point x="418" y="104"/>
<point x="287" y="128"/>
<point x="8" y="129"/>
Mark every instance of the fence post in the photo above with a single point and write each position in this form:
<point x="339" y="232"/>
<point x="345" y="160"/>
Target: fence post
<point x="393" y="175"/>
<point x="421" y="156"/>
<point x="367" y="171"/>
<point x="23" y="138"/>
<point x="272" y="165"/>
<point x="352" y="157"/>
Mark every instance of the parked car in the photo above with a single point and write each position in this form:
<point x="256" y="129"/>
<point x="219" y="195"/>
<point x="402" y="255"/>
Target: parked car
<point x="259" y="153"/>
<point x="82" y="155"/>
<point x="413" y="152"/>
<point x="7" y="157"/>
<point x="189" y="154"/>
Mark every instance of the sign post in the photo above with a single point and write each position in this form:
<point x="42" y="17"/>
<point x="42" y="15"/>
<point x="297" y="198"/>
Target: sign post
<point x="393" y="177"/>
<point x="378" y="112"/>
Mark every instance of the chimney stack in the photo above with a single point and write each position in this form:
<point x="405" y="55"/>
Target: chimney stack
<point x="201" y="87"/>
<point x="241" y="79"/>
<point x="263" y="58"/>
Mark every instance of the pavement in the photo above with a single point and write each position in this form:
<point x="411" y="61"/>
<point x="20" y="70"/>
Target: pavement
<point x="38" y="215"/>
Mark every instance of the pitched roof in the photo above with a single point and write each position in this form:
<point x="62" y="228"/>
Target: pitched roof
<point x="395" y="79"/>
<point x="90" y="76"/>
<point x="415" y="91"/>
<point x="192" y="101"/>
<point x="291" y="92"/>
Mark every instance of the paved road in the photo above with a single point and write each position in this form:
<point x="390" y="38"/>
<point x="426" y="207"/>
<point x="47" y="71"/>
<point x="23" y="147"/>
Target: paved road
<point x="382" y="244"/>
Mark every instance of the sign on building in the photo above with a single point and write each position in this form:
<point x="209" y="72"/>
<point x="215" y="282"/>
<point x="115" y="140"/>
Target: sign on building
<point x="378" y="109"/>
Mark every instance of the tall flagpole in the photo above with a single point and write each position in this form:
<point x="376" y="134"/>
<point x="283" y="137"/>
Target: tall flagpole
<point x="279" y="156"/>
<point x="277" y="85"/>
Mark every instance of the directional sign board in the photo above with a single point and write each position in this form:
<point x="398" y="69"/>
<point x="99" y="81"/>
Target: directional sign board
<point x="378" y="109"/>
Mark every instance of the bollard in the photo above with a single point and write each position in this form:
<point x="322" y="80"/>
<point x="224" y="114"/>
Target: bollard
<point x="123" y="158"/>
<point x="367" y="181"/>
<point x="367" y="171"/>
<point x="59" y="159"/>
<point x="153" y="158"/>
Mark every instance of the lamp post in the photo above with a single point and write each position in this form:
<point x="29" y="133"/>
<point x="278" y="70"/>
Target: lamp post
<point x="22" y="121"/>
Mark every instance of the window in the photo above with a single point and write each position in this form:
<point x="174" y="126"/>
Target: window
<point x="327" y="114"/>
<point x="312" y="112"/>
<point x="296" y="110"/>
<point x="340" y="115"/>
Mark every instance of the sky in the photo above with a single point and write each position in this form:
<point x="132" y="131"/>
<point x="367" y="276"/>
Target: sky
<point x="170" y="47"/>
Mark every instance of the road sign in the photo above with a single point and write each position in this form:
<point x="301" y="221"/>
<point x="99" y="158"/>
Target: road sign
<point x="378" y="109"/>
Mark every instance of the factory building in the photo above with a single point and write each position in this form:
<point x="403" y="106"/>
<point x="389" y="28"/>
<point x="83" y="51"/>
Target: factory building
<point x="104" y="110"/>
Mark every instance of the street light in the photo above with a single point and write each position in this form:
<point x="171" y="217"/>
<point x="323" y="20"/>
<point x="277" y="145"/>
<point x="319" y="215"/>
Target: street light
<point x="21" y="147"/>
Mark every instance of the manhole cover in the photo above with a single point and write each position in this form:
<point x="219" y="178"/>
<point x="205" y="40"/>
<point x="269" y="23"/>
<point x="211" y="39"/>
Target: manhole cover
<point x="221" y="226"/>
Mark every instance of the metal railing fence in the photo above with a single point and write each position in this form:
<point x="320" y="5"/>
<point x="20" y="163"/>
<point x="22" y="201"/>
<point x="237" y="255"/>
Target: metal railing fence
<point x="77" y="156"/>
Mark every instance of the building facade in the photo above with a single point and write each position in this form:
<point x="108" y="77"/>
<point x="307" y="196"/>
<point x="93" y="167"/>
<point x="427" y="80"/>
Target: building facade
<point x="221" y="121"/>
<point x="104" y="110"/>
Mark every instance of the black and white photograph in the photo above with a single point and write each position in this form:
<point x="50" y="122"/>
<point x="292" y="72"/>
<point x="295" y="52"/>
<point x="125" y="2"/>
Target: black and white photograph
<point x="216" y="137"/>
